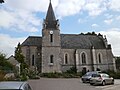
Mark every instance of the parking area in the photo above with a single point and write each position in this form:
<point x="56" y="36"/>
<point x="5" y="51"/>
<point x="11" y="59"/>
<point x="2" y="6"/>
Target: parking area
<point x="68" y="84"/>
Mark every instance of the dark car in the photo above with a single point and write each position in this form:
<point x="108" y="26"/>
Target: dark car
<point x="86" y="78"/>
<point x="101" y="79"/>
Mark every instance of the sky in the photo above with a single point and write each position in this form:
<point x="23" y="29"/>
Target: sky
<point x="22" y="18"/>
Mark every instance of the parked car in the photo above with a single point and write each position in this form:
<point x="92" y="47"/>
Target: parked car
<point x="14" y="85"/>
<point x="101" y="79"/>
<point x="86" y="78"/>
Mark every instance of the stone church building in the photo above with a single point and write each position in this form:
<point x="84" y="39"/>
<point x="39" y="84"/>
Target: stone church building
<point x="56" y="52"/>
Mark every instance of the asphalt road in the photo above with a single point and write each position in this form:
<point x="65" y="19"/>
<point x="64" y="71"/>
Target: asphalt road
<point x="68" y="84"/>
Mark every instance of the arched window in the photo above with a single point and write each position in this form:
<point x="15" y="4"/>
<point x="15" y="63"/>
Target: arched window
<point x="66" y="59"/>
<point x="99" y="58"/>
<point x="83" y="58"/>
<point x="51" y="59"/>
<point x="33" y="60"/>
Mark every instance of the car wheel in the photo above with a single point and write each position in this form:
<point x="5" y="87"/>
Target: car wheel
<point x="103" y="83"/>
<point x="83" y="81"/>
<point x="91" y="83"/>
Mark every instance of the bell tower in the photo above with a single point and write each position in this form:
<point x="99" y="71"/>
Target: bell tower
<point x="50" y="42"/>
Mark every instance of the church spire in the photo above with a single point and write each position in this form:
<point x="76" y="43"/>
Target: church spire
<point x="50" y="21"/>
<point x="50" y="13"/>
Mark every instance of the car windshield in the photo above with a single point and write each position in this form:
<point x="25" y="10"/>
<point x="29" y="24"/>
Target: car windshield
<point x="89" y="73"/>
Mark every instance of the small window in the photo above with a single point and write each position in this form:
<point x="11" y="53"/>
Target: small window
<point x="51" y="37"/>
<point x="99" y="58"/>
<point x="51" y="59"/>
<point x="33" y="61"/>
<point x="66" y="59"/>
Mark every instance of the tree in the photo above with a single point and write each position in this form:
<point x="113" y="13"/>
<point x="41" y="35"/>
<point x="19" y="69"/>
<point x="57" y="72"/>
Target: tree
<point x="4" y="64"/>
<point x="18" y="54"/>
<point x="1" y="1"/>
<point x="20" y="58"/>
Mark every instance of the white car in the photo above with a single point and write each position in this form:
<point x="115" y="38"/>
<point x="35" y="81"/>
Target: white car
<point x="101" y="78"/>
<point x="14" y="85"/>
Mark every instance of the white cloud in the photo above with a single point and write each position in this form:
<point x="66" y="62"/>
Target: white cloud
<point x="108" y="21"/>
<point x="8" y="44"/>
<point x="118" y="18"/>
<point x="113" y="36"/>
<point x="115" y="5"/>
<point x="95" y="7"/>
<point x="28" y="5"/>
<point x="6" y="18"/>
<point x="95" y="25"/>
<point x="20" y="17"/>
<point x="69" y="7"/>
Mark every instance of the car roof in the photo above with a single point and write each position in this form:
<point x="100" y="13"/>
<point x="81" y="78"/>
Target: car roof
<point x="93" y="72"/>
<point x="12" y="84"/>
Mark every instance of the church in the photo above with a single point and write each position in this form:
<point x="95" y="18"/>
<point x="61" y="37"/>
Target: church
<point x="56" y="52"/>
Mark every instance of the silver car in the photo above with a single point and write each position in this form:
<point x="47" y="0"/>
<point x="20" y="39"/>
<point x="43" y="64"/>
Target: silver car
<point x="86" y="78"/>
<point x="14" y="85"/>
<point x="101" y="79"/>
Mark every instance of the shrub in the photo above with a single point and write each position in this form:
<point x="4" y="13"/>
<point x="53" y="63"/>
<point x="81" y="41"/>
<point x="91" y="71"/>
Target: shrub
<point x="113" y="74"/>
<point x="2" y="74"/>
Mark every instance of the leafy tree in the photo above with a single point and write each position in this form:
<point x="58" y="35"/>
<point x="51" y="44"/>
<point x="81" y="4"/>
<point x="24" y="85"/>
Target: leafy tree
<point x="1" y="1"/>
<point x="4" y="64"/>
<point x="18" y="54"/>
<point x="20" y="58"/>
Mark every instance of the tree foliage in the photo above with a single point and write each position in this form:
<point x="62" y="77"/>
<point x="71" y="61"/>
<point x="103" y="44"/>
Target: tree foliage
<point x="1" y="1"/>
<point x="20" y="58"/>
<point x="4" y="64"/>
<point x="18" y="54"/>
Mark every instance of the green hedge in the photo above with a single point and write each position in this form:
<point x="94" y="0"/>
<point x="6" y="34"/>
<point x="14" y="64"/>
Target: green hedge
<point x="60" y="75"/>
<point x="115" y="75"/>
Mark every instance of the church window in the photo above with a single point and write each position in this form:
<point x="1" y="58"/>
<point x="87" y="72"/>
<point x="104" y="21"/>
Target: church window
<point x="66" y="59"/>
<point x="99" y="58"/>
<point x="51" y="59"/>
<point x="33" y="60"/>
<point x="83" y="58"/>
<point x="51" y="37"/>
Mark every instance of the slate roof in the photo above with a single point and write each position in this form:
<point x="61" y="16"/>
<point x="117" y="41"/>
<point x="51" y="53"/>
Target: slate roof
<point x="50" y="20"/>
<point x="33" y="41"/>
<point x="71" y="41"/>
<point x="50" y="13"/>
<point x="76" y="41"/>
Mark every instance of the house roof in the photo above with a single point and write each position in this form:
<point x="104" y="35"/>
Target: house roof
<point x="12" y="60"/>
<point x="80" y="41"/>
<point x="71" y="41"/>
<point x="33" y="41"/>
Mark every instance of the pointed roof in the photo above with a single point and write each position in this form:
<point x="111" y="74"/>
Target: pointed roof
<point x="50" y="13"/>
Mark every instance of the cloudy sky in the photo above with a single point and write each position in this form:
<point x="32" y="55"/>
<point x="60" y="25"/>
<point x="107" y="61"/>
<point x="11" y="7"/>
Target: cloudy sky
<point x="22" y="18"/>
